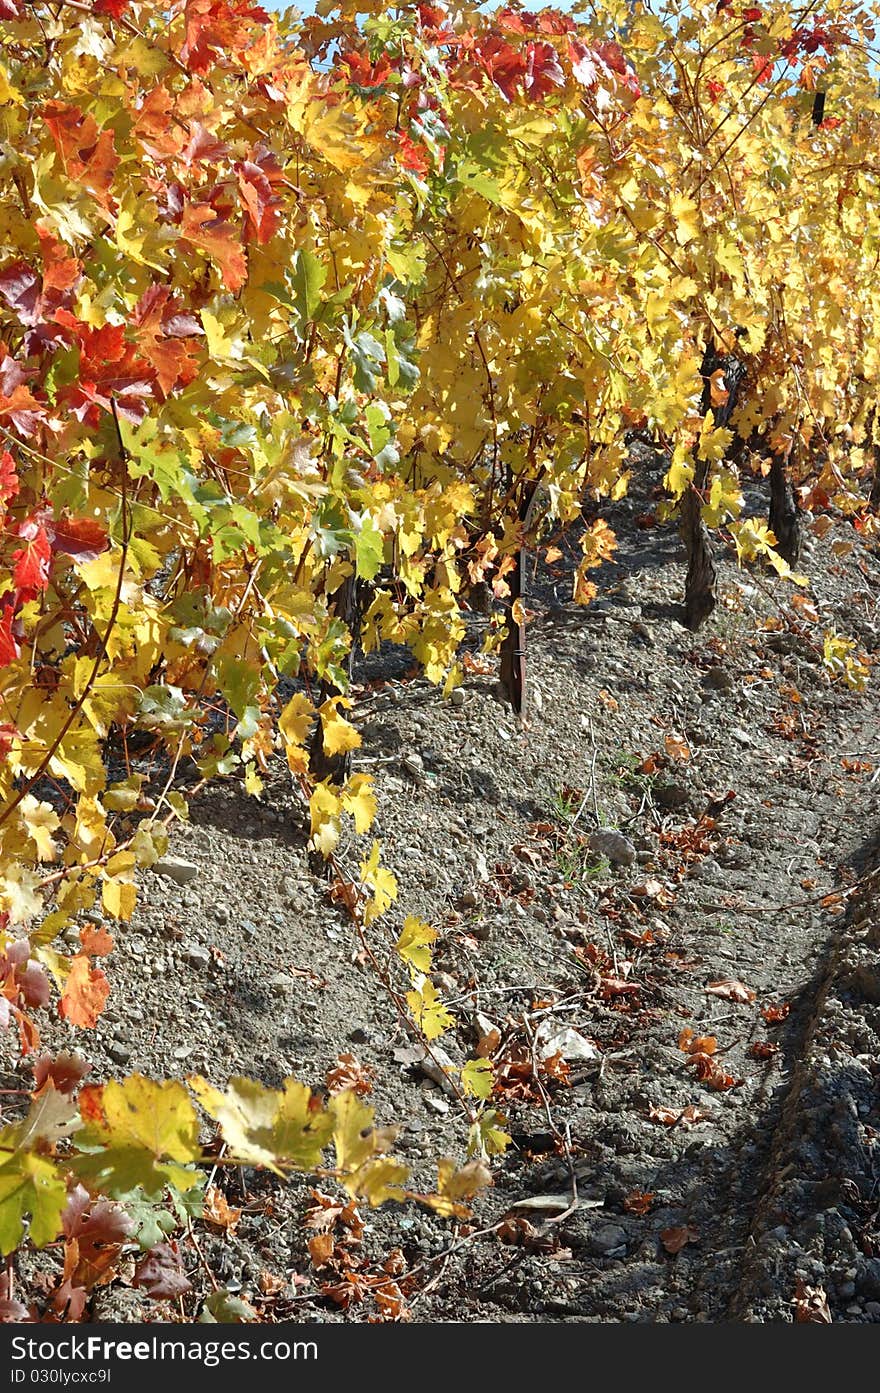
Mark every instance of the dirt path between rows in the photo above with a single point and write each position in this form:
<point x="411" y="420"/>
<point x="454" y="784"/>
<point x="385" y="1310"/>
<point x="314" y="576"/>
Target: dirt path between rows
<point x="738" y="1184"/>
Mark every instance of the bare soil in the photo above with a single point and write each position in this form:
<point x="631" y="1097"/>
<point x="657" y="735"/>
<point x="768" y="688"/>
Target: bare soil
<point x="746" y="783"/>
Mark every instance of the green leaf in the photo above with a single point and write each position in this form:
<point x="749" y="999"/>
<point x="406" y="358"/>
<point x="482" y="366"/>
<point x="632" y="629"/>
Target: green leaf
<point x="222" y="1308"/>
<point x="307" y="281"/>
<point x="369" y="548"/>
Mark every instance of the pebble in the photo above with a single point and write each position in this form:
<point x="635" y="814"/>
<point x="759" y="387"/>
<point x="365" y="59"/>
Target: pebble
<point x="742" y="737"/>
<point x="119" y="1053"/>
<point x="606" y="1240"/>
<point x="457" y="696"/>
<point x="671" y="795"/>
<point x="618" y="848"/>
<point x="176" y="869"/>
<point x="197" y="955"/>
<point x="718" y="679"/>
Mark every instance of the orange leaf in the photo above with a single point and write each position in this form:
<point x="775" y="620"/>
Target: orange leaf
<point x="219" y="1212"/>
<point x="696" y="1044"/>
<point x="85" y="993"/>
<point x="91" y="1108"/>
<point x="201" y="226"/>
<point x="321" y="1248"/>
<point x="96" y="942"/>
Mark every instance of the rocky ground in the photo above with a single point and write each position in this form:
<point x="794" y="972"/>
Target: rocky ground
<point x="684" y="1017"/>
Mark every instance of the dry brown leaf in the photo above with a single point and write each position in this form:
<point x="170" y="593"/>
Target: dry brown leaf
<point x="219" y="1211"/>
<point x="696" y="1044"/>
<point x="674" y="1239"/>
<point x="774" y="1014"/>
<point x="677" y="747"/>
<point x="810" y="1304"/>
<point x="638" y="1202"/>
<point x="321" y="1247"/>
<point x="732" y="990"/>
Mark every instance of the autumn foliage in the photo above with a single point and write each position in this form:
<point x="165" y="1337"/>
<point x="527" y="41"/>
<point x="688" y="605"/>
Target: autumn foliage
<point x="285" y="306"/>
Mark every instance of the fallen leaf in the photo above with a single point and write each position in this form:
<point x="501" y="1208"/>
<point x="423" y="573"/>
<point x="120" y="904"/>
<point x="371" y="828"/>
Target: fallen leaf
<point x="762" y="1049"/>
<point x="774" y="1014"/>
<point x="638" y="1202"/>
<point x="731" y="990"/>
<point x="219" y="1212"/>
<point x="686" y="1117"/>
<point x="321" y="1247"/>
<point x="350" y="1073"/>
<point x="810" y="1304"/>
<point x="675" y="1239"/>
<point x="677" y="747"/>
<point x="696" y="1044"/>
<point x="161" y="1273"/>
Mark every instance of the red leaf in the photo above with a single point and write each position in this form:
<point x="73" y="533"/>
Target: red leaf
<point x="80" y="537"/>
<point x="8" y="477"/>
<point x="20" y="287"/>
<point x="87" y="154"/>
<point x="10" y="649"/>
<point x="30" y="573"/>
<point x="259" y="201"/>
<point x="215" y="29"/>
<point x="543" y="70"/>
<point x="63" y="1073"/>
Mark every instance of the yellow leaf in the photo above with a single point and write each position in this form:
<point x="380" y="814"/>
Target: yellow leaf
<point x="684" y="211"/>
<point x="41" y="820"/>
<point x="476" y="1078"/>
<point x="381" y="881"/>
<point x="339" y="735"/>
<point x="267" y="1127"/>
<point x="119" y="898"/>
<point x="253" y="784"/>
<point x="414" y="943"/>
<point x="18" y="894"/>
<point x="428" y="1011"/>
<point x="295" y="723"/>
<point x="324" y="809"/>
<point x="359" y="800"/>
<point x="378" y="1181"/>
<point x="714" y="440"/>
<point x="486" y="1136"/>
